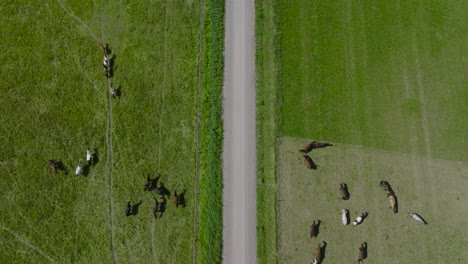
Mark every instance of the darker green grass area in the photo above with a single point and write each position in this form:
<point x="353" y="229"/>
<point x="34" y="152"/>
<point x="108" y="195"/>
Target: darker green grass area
<point x="386" y="75"/>
<point x="55" y="105"/>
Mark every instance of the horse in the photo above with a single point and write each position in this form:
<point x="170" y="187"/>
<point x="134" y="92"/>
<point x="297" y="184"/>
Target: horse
<point x="155" y="208"/>
<point x="147" y="184"/>
<point x="89" y="156"/>
<point x="128" y="210"/>
<point x="79" y="168"/>
<point x="344" y="216"/>
<point x="175" y="200"/>
<point x="361" y="218"/>
<point x="418" y="218"/>
<point x="53" y="165"/>
<point x="318" y="254"/>
<point x="393" y="202"/>
<point x="362" y="252"/>
<point x="309" y="163"/>
<point x="386" y="186"/>
<point x="344" y="191"/>
<point x="313" y="232"/>
<point x="307" y="148"/>
<point x="321" y="145"/>
<point x="104" y="48"/>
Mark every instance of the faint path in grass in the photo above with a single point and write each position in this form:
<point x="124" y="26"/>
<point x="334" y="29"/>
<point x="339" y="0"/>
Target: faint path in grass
<point x="78" y="20"/>
<point x="197" y="137"/>
<point x="27" y="243"/>
<point x="110" y="152"/>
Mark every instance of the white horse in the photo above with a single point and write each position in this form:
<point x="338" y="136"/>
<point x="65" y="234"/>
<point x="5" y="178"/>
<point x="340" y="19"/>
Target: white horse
<point x="344" y="216"/>
<point x="79" y="169"/>
<point x="89" y="156"/>
<point x="359" y="219"/>
<point x="418" y="218"/>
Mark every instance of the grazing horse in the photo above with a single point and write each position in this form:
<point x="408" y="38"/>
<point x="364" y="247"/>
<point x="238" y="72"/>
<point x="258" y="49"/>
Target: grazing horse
<point x="53" y="165"/>
<point x="361" y="218"/>
<point x="344" y="191"/>
<point x="319" y="252"/>
<point x="313" y="232"/>
<point x="155" y="208"/>
<point x="307" y="148"/>
<point x="89" y="156"/>
<point x="418" y="218"/>
<point x="79" y="168"/>
<point x="128" y="210"/>
<point x="344" y="216"/>
<point x="321" y="145"/>
<point x="176" y="199"/>
<point x="393" y="203"/>
<point x="147" y="183"/>
<point x="362" y="252"/>
<point x="309" y="163"/>
<point x="104" y="48"/>
<point x="386" y="186"/>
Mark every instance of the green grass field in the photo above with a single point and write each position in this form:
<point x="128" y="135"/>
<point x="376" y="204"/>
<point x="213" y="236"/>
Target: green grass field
<point x="55" y="104"/>
<point x="385" y="75"/>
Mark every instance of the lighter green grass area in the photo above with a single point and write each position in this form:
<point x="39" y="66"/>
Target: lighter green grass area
<point x="385" y="74"/>
<point x="433" y="188"/>
<point x="54" y="105"/>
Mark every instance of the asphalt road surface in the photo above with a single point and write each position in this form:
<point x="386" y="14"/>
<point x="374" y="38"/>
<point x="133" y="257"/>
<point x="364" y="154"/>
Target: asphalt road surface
<point x="239" y="213"/>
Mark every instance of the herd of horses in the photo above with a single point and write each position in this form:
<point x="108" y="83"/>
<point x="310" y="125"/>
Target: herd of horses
<point x="345" y="195"/>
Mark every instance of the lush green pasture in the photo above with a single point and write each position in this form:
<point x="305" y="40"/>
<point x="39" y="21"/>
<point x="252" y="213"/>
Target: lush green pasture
<point x="382" y="74"/>
<point x="55" y="104"/>
<point x="430" y="187"/>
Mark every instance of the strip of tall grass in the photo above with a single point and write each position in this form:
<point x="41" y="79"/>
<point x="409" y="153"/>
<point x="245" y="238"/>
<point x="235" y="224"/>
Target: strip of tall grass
<point x="210" y="225"/>
<point x="267" y="82"/>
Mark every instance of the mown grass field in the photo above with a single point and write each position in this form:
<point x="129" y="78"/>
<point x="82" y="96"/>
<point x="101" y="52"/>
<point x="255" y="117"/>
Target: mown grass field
<point x="385" y="75"/>
<point x="55" y="104"/>
<point x="428" y="186"/>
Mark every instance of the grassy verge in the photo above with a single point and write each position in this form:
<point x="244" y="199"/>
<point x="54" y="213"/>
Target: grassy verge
<point x="210" y="226"/>
<point x="267" y="84"/>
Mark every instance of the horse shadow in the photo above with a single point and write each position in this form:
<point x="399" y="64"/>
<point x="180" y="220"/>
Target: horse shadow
<point x="364" y="250"/>
<point x="182" y="201"/>
<point x="61" y="167"/>
<point x="135" y="208"/>
<point x="322" y="251"/>
<point x="154" y="182"/>
<point x="86" y="170"/>
<point x="317" y="228"/>
<point x="164" y="190"/>
<point x="118" y="91"/>
<point x="162" y="206"/>
<point x="345" y="187"/>
<point x="95" y="158"/>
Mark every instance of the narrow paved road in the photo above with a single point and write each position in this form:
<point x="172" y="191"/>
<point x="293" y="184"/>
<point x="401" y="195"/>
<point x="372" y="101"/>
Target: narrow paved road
<point x="239" y="234"/>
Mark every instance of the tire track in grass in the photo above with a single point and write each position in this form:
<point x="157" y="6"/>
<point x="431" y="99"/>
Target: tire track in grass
<point x="27" y="243"/>
<point x="77" y="19"/>
<point x="110" y="153"/>
<point x="197" y="136"/>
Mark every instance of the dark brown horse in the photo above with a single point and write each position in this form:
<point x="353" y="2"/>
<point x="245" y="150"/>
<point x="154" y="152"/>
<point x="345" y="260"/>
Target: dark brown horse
<point x="362" y="252"/>
<point x="155" y="208"/>
<point x="175" y="200"/>
<point x="313" y="232"/>
<point x="54" y="165"/>
<point x="128" y="210"/>
<point x="313" y="145"/>
<point x="309" y="163"/>
<point x="344" y="191"/>
<point x="386" y="186"/>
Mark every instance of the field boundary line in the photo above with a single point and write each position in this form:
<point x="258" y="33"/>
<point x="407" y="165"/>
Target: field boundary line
<point x="379" y="149"/>
<point x="77" y="19"/>
<point x="110" y="153"/>
<point x="197" y="136"/>
<point x="27" y="243"/>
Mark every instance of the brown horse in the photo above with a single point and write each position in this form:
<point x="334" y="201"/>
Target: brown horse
<point x="313" y="145"/>
<point x="175" y="200"/>
<point x="344" y="191"/>
<point x="322" y="145"/>
<point x="155" y="208"/>
<point x="54" y="165"/>
<point x="309" y="163"/>
<point x="386" y="186"/>
<point x="313" y="231"/>
<point x="393" y="203"/>
<point x="318" y="253"/>
<point x="362" y="252"/>
<point x="128" y="210"/>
